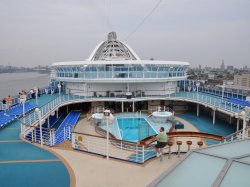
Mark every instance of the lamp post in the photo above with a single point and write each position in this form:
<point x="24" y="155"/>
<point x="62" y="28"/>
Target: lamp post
<point x="108" y="116"/>
<point x="40" y="125"/>
<point x="23" y="100"/>
<point x="36" y="92"/>
<point x="244" y="114"/>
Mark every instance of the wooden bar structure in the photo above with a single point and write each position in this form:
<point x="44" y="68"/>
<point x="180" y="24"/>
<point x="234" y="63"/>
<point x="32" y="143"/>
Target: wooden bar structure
<point x="151" y="139"/>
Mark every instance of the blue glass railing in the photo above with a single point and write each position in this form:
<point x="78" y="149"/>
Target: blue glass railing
<point x="206" y="99"/>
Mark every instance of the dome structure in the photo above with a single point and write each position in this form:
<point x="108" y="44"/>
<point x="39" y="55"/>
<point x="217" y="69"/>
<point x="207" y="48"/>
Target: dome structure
<point x="112" y="50"/>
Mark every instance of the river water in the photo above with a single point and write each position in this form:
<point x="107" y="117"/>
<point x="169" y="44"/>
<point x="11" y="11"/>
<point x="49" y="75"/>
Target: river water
<point x="13" y="83"/>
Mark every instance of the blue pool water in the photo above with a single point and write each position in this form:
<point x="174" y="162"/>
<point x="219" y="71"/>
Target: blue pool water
<point x="134" y="129"/>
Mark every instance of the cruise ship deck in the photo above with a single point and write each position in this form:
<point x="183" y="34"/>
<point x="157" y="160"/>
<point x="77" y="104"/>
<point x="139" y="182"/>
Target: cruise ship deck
<point x="98" y="119"/>
<point x="19" y="157"/>
<point x="24" y="164"/>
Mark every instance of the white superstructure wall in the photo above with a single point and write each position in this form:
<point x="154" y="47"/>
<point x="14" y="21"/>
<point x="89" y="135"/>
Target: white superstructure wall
<point x="113" y="89"/>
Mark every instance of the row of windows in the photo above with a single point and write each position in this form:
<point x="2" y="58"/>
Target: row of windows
<point x="123" y="68"/>
<point x="94" y="75"/>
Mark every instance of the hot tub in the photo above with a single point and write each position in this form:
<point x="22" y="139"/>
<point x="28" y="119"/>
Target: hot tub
<point x="97" y="117"/>
<point x="161" y="116"/>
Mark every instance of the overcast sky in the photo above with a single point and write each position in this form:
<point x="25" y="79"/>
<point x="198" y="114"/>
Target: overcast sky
<point x="40" y="32"/>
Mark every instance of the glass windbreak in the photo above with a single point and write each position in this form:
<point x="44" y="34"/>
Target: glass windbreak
<point x="121" y="71"/>
<point x="245" y="159"/>
<point x="230" y="150"/>
<point x="197" y="170"/>
<point x="237" y="175"/>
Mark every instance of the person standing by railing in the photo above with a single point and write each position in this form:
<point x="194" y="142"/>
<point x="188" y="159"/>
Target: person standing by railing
<point x="9" y="101"/>
<point x="161" y="141"/>
<point x="4" y="104"/>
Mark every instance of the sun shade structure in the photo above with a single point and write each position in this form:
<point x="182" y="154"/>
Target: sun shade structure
<point x="112" y="49"/>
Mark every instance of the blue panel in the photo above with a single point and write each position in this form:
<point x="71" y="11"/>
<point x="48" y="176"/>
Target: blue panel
<point x="36" y="174"/>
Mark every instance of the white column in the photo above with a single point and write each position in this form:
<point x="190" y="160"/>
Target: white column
<point x="133" y="106"/>
<point x="57" y="113"/>
<point x="230" y="120"/>
<point x="238" y="124"/>
<point x="85" y="90"/>
<point x="244" y="127"/>
<point x="184" y="85"/>
<point x="213" y="116"/>
<point x="122" y="106"/>
<point x="198" y="110"/>
<point x="223" y="90"/>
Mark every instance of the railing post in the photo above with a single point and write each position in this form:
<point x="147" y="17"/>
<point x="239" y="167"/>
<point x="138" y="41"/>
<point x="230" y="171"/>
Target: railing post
<point x="64" y="133"/>
<point x="143" y="154"/>
<point x="87" y="143"/>
<point x="32" y="136"/>
<point x="50" y="138"/>
<point x="136" y="154"/>
<point x="53" y="136"/>
<point x="35" y="134"/>
<point x="34" y="114"/>
<point x="69" y="132"/>
<point x="22" y="128"/>
<point x="29" y="120"/>
<point x="73" y="141"/>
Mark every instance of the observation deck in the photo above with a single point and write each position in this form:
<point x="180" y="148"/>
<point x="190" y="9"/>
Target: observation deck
<point x="114" y="61"/>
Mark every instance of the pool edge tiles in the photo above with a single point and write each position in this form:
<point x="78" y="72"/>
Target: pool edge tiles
<point x="191" y="167"/>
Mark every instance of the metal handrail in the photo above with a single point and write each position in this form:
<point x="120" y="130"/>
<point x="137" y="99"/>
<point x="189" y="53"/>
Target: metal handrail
<point x="64" y="99"/>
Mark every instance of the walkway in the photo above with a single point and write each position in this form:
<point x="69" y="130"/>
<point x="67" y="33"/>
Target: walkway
<point x="205" y="124"/>
<point x="91" y="170"/>
<point x="24" y="164"/>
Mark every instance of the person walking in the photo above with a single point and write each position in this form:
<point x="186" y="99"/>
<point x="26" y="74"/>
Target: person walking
<point x="161" y="141"/>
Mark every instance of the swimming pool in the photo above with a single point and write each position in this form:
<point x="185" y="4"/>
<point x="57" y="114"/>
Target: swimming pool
<point x="134" y="129"/>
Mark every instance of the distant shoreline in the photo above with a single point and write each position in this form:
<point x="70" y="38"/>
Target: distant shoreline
<point x="13" y="83"/>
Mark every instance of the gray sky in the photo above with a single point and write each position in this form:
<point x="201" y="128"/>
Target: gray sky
<point x="40" y="32"/>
